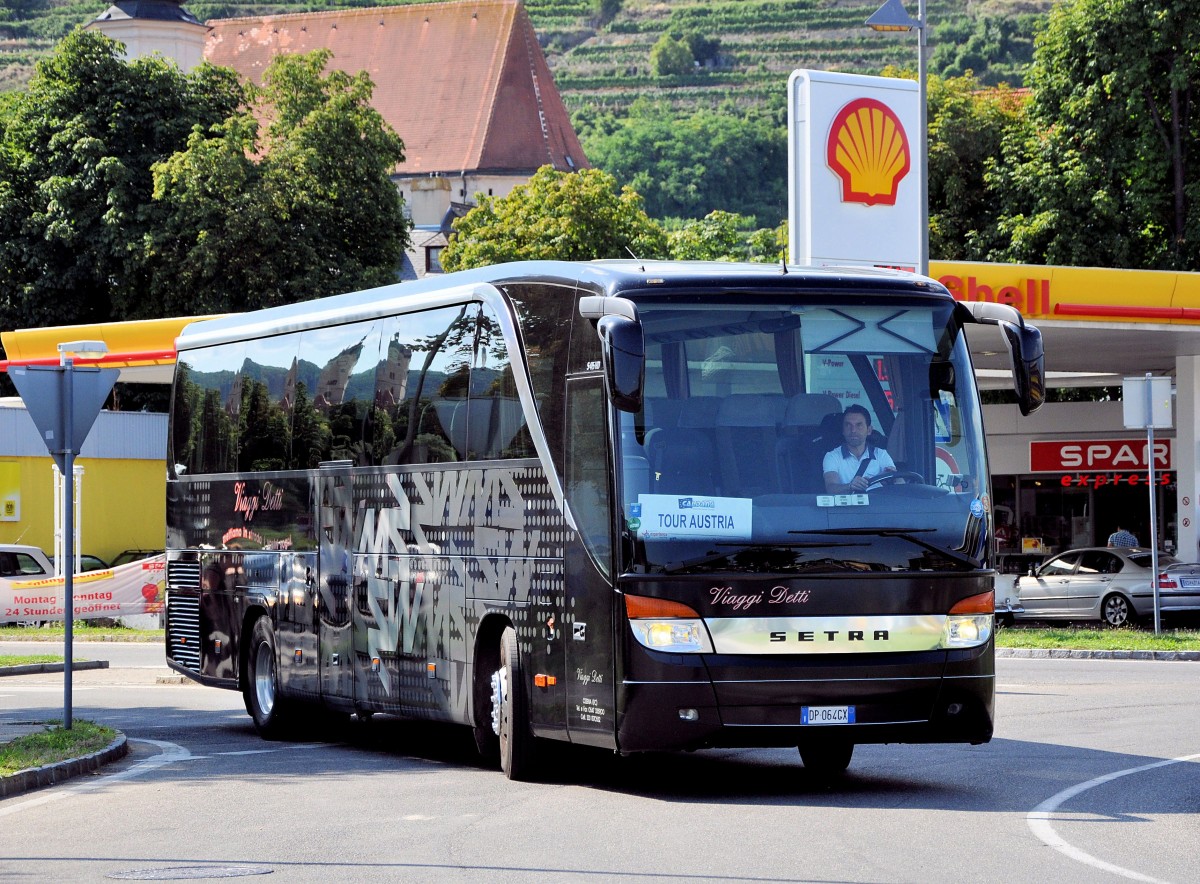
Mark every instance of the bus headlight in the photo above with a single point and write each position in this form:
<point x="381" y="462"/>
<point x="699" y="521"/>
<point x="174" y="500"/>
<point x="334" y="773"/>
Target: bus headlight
<point x="967" y="631"/>
<point x="663" y="625"/>
<point x="970" y="621"/>
<point x="674" y="636"/>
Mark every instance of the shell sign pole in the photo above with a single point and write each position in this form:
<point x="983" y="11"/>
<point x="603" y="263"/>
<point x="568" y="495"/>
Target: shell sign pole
<point x="853" y="170"/>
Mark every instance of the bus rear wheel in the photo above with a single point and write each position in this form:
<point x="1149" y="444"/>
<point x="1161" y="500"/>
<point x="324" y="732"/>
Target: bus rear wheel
<point x="260" y="690"/>
<point x="510" y="711"/>
<point x="826" y="757"/>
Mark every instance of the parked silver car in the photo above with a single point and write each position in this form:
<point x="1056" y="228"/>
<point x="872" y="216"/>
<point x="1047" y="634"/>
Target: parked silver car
<point x="1111" y="585"/>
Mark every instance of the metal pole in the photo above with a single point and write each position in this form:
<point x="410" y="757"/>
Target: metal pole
<point x="1153" y="501"/>
<point x="68" y="403"/>
<point x="923" y="136"/>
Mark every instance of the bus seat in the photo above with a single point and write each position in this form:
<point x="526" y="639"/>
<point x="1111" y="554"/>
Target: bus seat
<point x="801" y="447"/>
<point x="684" y="457"/>
<point x="747" y="431"/>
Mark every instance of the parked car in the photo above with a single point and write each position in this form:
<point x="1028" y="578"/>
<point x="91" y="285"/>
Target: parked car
<point x="88" y="563"/>
<point x="20" y="562"/>
<point x="133" y="555"/>
<point x="1111" y="585"/>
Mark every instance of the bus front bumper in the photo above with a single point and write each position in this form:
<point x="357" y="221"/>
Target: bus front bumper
<point x="942" y="697"/>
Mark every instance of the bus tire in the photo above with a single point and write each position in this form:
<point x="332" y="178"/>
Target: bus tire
<point x="826" y="757"/>
<point x="261" y="687"/>
<point x="515" y="736"/>
<point x="486" y="726"/>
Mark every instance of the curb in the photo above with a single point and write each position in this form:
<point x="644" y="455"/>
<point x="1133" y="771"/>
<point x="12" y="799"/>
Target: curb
<point x="39" y="668"/>
<point x="49" y="774"/>
<point x="1068" y="654"/>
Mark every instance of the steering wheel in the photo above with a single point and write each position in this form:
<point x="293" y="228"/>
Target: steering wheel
<point x="892" y="476"/>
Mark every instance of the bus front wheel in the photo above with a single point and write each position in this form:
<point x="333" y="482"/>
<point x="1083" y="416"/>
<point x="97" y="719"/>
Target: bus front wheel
<point x="261" y="687"/>
<point x="825" y="757"/>
<point x="510" y="711"/>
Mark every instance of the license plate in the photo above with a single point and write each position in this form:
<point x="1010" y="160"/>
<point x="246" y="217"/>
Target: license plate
<point x="827" y="715"/>
<point x="1189" y="582"/>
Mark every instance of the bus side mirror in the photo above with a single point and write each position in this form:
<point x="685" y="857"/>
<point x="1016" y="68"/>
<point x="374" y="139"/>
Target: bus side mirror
<point x="623" y="350"/>
<point x="1028" y="364"/>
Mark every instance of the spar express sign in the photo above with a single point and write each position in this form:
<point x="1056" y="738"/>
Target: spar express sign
<point x="1098" y="456"/>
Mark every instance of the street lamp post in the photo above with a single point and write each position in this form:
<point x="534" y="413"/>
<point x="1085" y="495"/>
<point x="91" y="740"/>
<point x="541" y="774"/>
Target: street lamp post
<point x="892" y="16"/>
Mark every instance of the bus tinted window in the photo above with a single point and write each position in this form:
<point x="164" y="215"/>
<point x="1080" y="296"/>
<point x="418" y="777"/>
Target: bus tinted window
<point x="334" y="388"/>
<point x="207" y="402"/>
<point x="495" y="422"/>
<point x="429" y="423"/>
<point x="546" y="313"/>
<point x="265" y="415"/>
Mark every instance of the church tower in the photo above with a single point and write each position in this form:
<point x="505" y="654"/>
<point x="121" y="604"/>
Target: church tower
<point x="148" y="26"/>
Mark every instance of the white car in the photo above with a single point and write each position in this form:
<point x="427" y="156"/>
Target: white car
<point x="1111" y="585"/>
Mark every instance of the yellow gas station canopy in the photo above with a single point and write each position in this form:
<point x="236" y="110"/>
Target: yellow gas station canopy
<point x="144" y="350"/>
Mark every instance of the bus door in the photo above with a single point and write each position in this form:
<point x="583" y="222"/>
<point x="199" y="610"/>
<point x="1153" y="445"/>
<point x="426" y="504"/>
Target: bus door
<point x="588" y="632"/>
<point x="299" y="625"/>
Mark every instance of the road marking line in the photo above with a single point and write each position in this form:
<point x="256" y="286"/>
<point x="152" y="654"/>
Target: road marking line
<point x="171" y="752"/>
<point x="1039" y="820"/>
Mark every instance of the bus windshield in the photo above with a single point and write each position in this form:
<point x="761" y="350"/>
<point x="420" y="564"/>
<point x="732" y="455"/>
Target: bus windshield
<point x="740" y="459"/>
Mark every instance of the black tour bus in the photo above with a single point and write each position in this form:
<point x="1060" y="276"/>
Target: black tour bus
<point x="585" y="502"/>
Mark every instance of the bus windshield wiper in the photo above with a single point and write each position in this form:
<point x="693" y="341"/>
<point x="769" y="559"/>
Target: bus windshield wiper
<point x="684" y="564"/>
<point x="904" y="534"/>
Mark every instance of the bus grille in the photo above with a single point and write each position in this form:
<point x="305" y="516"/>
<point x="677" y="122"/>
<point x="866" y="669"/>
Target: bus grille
<point x="183" y="631"/>
<point x="184" y="575"/>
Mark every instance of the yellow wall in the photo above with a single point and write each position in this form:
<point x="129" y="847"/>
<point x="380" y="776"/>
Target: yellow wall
<point x="123" y="504"/>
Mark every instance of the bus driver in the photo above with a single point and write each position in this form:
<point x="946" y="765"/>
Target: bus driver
<point x="852" y="466"/>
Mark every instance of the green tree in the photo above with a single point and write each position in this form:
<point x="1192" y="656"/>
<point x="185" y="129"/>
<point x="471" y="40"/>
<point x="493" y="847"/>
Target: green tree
<point x="1000" y="46"/>
<point x="671" y="56"/>
<point x="309" y="210"/>
<point x="132" y="190"/>
<point x="75" y="182"/>
<point x="767" y="245"/>
<point x="967" y="128"/>
<point x="718" y="236"/>
<point x="1105" y="173"/>
<point x="686" y="166"/>
<point x="570" y="216"/>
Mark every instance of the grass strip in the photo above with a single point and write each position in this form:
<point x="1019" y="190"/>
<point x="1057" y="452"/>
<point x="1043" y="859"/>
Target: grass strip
<point x="1094" y="639"/>
<point x="27" y="659"/>
<point x="56" y="632"/>
<point x="53" y="745"/>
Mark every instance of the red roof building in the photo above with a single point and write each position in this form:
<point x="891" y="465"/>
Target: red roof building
<point x="465" y="84"/>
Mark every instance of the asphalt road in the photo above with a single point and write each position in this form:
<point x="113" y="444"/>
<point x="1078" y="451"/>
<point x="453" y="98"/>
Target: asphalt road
<point x="1084" y="782"/>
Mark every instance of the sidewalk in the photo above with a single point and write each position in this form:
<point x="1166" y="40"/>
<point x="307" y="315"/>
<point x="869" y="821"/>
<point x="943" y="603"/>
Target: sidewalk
<point x="15" y="725"/>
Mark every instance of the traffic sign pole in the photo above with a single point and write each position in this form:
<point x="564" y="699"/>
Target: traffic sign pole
<point x="64" y="401"/>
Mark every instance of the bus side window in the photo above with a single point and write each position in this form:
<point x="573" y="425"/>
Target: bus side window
<point x="420" y="415"/>
<point x="208" y="396"/>
<point x="495" y="420"/>
<point x="268" y="394"/>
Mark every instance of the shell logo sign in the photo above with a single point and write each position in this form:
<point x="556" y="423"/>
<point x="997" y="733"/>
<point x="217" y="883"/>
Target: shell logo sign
<point x="854" y="172"/>
<point x="868" y="150"/>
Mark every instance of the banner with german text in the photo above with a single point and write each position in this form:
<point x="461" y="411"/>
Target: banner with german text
<point x="123" y="591"/>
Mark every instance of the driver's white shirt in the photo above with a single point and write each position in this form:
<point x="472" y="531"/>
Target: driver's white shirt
<point x="843" y="462"/>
